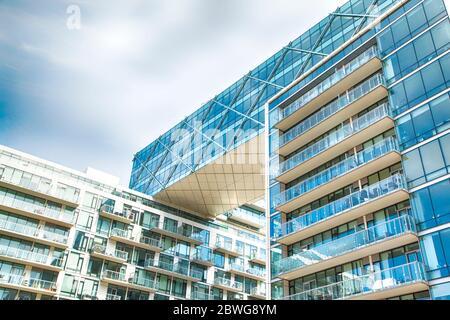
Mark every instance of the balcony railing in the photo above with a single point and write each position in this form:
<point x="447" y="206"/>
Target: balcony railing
<point x="125" y="214"/>
<point x="340" y="206"/>
<point x="256" y="272"/>
<point x="336" y="137"/>
<point x="43" y="187"/>
<point x="30" y="283"/>
<point x="180" y="231"/>
<point x="96" y="248"/>
<point x="111" y="296"/>
<point x="255" y="218"/>
<point x="330" y="81"/>
<point x="178" y="268"/>
<point x="150" y="241"/>
<point x="333" y="107"/>
<point x="355" y="241"/>
<point x="345" y="166"/>
<point x="142" y="282"/>
<point x="224" y="245"/>
<point x="228" y="283"/>
<point x="203" y="254"/>
<point x="32" y="231"/>
<point x="256" y="291"/>
<point x="196" y="295"/>
<point x="30" y="256"/>
<point x="114" y="275"/>
<point x="42" y="210"/>
<point x="391" y="278"/>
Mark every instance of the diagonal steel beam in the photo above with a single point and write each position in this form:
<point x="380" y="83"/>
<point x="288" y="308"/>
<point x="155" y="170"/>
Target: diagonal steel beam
<point x="266" y="82"/>
<point x="305" y="51"/>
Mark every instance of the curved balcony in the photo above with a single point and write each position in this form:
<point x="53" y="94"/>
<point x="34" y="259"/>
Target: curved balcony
<point x="31" y="258"/>
<point x="344" y="78"/>
<point x="375" y="197"/>
<point x="347" y="105"/>
<point x="381" y="155"/>
<point x="392" y="282"/>
<point x="380" y="237"/>
<point x="352" y="134"/>
<point x="31" y="233"/>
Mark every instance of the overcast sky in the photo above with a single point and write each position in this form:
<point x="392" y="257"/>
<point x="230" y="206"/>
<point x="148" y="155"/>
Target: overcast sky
<point x="96" y="95"/>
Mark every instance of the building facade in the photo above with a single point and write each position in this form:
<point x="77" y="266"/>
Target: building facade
<point x="359" y="160"/>
<point x="71" y="235"/>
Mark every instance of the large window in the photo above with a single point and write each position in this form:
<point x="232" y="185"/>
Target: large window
<point x="421" y="85"/>
<point x="424" y="122"/>
<point x="427" y="162"/>
<point x="430" y="205"/>
<point x="418" y="52"/>
<point x="436" y="252"/>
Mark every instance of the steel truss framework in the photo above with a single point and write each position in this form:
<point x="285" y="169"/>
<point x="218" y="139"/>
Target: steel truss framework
<point x="241" y="106"/>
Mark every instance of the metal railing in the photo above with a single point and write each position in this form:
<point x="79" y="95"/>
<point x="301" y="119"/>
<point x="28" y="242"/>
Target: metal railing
<point x="349" y="243"/>
<point x="97" y="248"/>
<point x="42" y="210"/>
<point x="228" y="283"/>
<point x="30" y="256"/>
<point x="330" y="109"/>
<point x="127" y="214"/>
<point x="342" y="205"/>
<point x="391" y="278"/>
<point x="340" y="169"/>
<point x="336" y="137"/>
<point x="30" y="282"/>
<point x="113" y="275"/>
<point x="329" y="82"/>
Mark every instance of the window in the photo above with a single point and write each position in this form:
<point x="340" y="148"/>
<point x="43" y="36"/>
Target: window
<point x="436" y="252"/>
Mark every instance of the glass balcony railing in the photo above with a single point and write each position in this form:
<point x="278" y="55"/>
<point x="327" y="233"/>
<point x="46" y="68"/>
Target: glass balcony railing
<point x="249" y="216"/>
<point x="126" y="214"/>
<point x="228" y="283"/>
<point x="345" y="166"/>
<point x="254" y="255"/>
<point x="30" y="256"/>
<point x="196" y="295"/>
<point x="113" y="275"/>
<point x="30" y="283"/>
<point x="226" y="245"/>
<point x="143" y="282"/>
<point x="330" y="81"/>
<point x="391" y="278"/>
<point x="355" y="241"/>
<point x="97" y="248"/>
<point x="203" y="254"/>
<point x="41" y="185"/>
<point x="333" y="107"/>
<point x="32" y="231"/>
<point x="256" y="291"/>
<point x="256" y="272"/>
<point x="111" y="296"/>
<point x="335" y="137"/>
<point x="178" y="268"/>
<point x="150" y="241"/>
<point x="39" y="209"/>
<point x="342" y="205"/>
<point x="180" y="231"/>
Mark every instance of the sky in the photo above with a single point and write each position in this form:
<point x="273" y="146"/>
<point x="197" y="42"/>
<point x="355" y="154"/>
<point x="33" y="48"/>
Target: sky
<point x="90" y="83"/>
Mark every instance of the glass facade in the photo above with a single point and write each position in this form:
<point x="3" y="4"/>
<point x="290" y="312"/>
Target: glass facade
<point x="236" y="115"/>
<point x="359" y="216"/>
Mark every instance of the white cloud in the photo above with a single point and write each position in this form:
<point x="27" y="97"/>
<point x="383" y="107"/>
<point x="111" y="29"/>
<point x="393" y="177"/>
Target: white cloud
<point x="133" y="70"/>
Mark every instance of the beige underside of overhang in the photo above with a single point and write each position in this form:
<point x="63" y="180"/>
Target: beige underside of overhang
<point x="232" y="180"/>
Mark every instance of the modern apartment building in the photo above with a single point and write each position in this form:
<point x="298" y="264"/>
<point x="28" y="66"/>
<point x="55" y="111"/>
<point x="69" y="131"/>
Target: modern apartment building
<point x="360" y="156"/>
<point x="71" y="235"/>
